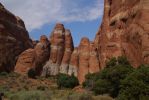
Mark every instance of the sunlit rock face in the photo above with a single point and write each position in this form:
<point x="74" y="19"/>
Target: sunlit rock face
<point x="88" y="59"/>
<point x="26" y="61"/>
<point x="61" y="49"/>
<point x="74" y="63"/>
<point x="67" y="52"/>
<point x="124" y="31"/>
<point x="14" y="39"/>
<point x="34" y="58"/>
<point x="94" y="64"/>
<point x="83" y="59"/>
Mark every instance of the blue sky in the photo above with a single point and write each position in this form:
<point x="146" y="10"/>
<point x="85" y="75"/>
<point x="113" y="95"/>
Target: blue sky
<point x="82" y="17"/>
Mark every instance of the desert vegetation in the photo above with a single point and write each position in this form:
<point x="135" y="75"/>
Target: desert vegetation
<point x="120" y="80"/>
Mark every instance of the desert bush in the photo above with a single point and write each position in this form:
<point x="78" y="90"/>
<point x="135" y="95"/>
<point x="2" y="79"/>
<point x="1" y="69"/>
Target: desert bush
<point x="3" y="74"/>
<point x="31" y="73"/>
<point x="66" y="81"/>
<point x="108" y="80"/>
<point x="136" y="85"/>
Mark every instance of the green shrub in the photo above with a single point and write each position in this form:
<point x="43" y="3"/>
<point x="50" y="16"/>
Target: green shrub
<point x="42" y="88"/>
<point x="3" y="74"/>
<point x="112" y="62"/>
<point x="90" y="80"/>
<point x="136" y="85"/>
<point x="108" y="80"/>
<point x="31" y="73"/>
<point x="101" y="86"/>
<point x="66" y="81"/>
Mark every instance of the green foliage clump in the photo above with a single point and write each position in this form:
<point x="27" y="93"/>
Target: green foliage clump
<point x="3" y="74"/>
<point x="42" y="88"/>
<point x="136" y="85"/>
<point x="108" y="80"/>
<point x="31" y="73"/>
<point x="66" y="81"/>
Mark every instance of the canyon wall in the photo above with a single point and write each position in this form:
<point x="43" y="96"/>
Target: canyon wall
<point x="124" y="31"/>
<point x="14" y="39"/>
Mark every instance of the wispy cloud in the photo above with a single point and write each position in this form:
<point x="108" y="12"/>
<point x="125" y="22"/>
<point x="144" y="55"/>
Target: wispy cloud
<point x="37" y="13"/>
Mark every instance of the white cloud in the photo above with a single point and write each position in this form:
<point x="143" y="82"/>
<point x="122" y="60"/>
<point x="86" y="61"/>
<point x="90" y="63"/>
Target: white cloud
<point x="37" y="13"/>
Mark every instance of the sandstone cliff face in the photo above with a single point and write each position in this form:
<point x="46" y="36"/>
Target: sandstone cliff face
<point x="34" y="58"/>
<point x="124" y="31"/>
<point x="14" y="39"/>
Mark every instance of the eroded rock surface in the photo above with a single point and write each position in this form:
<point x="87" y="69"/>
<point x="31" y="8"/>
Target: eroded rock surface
<point x="14" y="39"/>
<point x="124" y="31"/>
<point x="61" y="49"/>
<point x="34" y="58"/>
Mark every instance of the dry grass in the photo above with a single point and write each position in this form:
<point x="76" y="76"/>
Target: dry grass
<point x="18" y="87"/>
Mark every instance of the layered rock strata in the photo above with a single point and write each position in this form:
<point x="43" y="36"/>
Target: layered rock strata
<point x="34" y="58"/>
<point x="124" y="31"/>
<point x="61" y="49"/>
<point x="14" y="39"/>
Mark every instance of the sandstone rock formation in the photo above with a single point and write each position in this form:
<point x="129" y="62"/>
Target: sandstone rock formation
<point x="34" y="58"/>
<point x="61" y="49"/>
<point x="42" y="50"/>
<point x="94" y="64"/>
<point x="88" y="59"/>
<point x="124" y="31"/>
<point x="67" y="52"/>
<point x="74" y="63"/>
<point x="84" y="51"/>
<point x="25" y="61"/>
<point x="14" y="39"/>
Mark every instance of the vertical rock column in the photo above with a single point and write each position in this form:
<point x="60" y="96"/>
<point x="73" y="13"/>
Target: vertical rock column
<point x="83" y="59"/>
<point x="67" y="53"/>
<point x="42" y="50"/>
<point x="74" y="63"/>
<point x="93" y="60"/>
<point x="57" y="40"/>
